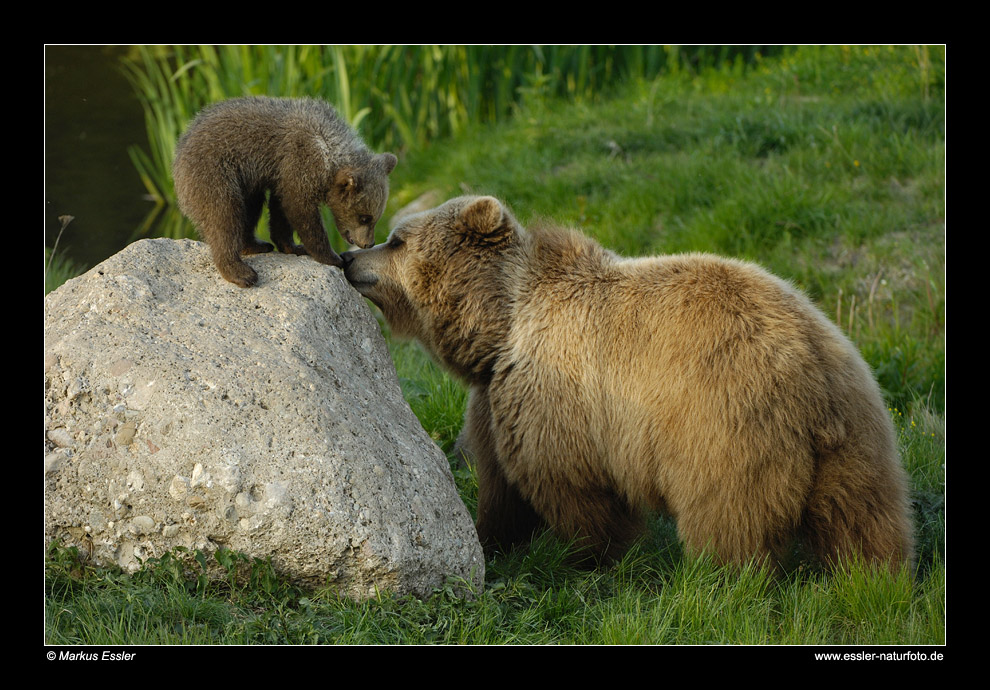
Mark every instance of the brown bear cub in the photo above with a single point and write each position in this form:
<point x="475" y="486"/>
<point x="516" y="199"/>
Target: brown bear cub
<point x="602" y="386"/>
<point x="299" y="152"/>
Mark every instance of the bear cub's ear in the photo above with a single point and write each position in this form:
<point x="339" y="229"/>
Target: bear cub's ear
<point x="484" y="222"/>
<point x="351" y="179"/>
<point x="346" y="180"/>
<point x="386" y="162"/>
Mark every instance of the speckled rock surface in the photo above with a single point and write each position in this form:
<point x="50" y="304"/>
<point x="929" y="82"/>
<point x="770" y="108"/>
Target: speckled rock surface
<point x="182" y="410"/>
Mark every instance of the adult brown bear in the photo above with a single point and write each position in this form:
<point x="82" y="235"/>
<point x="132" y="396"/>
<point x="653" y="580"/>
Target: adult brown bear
<point x="602" y="386"/>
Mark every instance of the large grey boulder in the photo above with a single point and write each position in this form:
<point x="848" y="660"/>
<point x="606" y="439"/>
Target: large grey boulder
<point x="182" y="410"/>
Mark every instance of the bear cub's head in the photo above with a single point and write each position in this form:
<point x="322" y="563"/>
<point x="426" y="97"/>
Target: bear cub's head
<point x="439" y="276"/>
<point x="357" y="198"/>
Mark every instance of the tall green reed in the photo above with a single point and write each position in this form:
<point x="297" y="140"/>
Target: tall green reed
<point x="399" y="97"/>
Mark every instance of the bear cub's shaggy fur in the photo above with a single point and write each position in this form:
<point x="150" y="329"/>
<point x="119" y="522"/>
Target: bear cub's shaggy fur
<point x="602" y="386"/>
<point x="299" y="152"/>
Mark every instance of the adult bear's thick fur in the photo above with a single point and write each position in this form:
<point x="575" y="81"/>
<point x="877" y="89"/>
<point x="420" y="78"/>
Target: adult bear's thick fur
<point x="602" y="386"/>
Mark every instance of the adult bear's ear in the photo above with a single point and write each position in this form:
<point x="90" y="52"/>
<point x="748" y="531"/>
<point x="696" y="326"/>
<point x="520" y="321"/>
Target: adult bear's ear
<point x="484" y="222"/>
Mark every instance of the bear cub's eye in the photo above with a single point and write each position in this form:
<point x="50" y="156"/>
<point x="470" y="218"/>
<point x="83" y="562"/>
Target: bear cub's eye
<point x="364" y="220"/>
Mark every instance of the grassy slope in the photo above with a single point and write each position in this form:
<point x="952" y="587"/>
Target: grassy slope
<point x="827" y="168"/>
<point x="829" y="171"/>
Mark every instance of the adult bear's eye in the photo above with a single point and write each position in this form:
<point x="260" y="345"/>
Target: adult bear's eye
<point x="395" y="242"/>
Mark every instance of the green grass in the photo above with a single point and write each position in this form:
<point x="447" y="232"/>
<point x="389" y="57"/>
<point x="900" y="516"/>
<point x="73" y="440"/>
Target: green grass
<point x="529" y="598"/>
<point x="839" y="190"/>
<point x="827" y="166"/>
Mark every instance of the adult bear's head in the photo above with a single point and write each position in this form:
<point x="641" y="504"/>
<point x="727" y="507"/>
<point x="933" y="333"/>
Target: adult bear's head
<point x="440" y="278"/>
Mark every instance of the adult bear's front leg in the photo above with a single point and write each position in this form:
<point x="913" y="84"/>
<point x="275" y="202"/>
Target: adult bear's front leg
<point x="505" y="518"/>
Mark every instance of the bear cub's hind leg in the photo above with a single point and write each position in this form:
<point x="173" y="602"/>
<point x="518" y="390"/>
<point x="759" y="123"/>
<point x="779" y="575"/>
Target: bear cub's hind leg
<point x="232" y="268"/>
<point x="230" y="233"/>
<point x="252" y="245"/>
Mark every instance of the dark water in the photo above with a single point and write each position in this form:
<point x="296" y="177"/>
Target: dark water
<point x="91" y="117"/>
